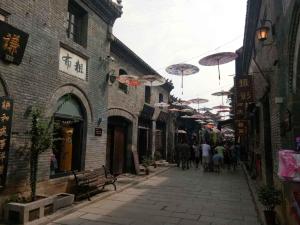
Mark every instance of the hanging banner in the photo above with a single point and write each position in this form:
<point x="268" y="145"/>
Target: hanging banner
<point x="12" y="43"/>
<point x="6" y="112"/>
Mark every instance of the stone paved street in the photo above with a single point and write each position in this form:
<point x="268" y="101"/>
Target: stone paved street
<point x="175" y="197"/>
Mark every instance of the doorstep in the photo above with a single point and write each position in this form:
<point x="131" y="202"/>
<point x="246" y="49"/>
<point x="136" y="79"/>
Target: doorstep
<point x="253" y="191"/>
<point x="135" y="179"/>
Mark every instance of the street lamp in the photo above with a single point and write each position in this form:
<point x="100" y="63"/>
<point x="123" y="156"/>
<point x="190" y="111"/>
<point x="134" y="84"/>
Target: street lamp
<point x="263" y="32"/>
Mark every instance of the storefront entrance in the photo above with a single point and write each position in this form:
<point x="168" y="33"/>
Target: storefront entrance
<point x="144" y="139"/>
<point x="67" y="152"/>
<point x="160" y="140"/>
<point x="117" y="141"/>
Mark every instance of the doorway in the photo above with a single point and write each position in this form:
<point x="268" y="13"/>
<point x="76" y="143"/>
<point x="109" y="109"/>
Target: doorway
<point x="68" y="137"/>
<point x="117" y="142"/>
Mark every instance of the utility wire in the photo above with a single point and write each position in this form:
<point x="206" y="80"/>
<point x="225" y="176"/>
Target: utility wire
<point x="205" y="53"/>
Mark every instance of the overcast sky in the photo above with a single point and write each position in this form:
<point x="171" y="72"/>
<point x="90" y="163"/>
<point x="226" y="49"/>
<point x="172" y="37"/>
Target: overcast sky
<point x="165" y="32"/>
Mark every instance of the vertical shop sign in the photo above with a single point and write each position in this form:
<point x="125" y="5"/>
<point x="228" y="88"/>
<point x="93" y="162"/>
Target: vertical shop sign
<point x="12" y="43"/>
<point x="241" y="127"/>
<point x="244" y="88"/>
<point x="6" y="111"/>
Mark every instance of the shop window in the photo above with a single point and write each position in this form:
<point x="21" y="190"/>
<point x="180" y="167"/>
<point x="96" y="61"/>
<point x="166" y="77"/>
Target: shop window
<point x="123" y="87"/>
<point x="3" y="15"/>
<point x="161" y="97"/>
<point x="77" y="23"/>
<point x="67" y="138"/>
<point x="147" y="94"/>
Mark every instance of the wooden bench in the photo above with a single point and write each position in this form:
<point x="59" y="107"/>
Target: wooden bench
<point x="90" y="181"/>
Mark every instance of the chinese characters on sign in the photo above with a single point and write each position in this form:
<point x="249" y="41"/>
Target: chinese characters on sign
<point x="6" y="109"/>
<point x="72" y="64"/>
<point x="244" y="87"/>
<point x="241" y="127"/>
<point x="244" y="96"/>
<point x="12" y="43"/>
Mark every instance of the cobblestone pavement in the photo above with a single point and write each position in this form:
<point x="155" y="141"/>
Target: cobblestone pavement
<point x="189" y="197"/>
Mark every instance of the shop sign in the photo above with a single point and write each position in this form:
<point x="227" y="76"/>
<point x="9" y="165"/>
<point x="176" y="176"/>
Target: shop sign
<point x="98" y="131"/>
<point x="240" y="110"/>
<point x="241" y="127"/>
<point x="12" y="43"/>
<point x="72" y="64"/>
<point x="6" y="112"/>
<point x="244" y="89"/>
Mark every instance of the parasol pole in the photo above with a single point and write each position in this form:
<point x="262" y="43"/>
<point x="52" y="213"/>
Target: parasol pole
<point x="219" y="71"/>
<point x="182" y="82"/>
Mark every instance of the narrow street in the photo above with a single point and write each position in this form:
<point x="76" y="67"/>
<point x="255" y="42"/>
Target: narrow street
<point x="188" y="197"/>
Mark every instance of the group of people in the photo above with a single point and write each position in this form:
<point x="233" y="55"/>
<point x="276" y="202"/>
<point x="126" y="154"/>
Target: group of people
<point x="191" y="153"/>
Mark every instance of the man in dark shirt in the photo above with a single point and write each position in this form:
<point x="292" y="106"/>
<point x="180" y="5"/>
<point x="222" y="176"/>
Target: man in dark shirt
<point x="183" y="150"/>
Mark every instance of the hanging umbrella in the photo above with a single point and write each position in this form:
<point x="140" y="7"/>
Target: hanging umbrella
<point x="223" y="110"/>
<point x="161" y="105"/>
<point x="221" y="107"/>
<point x="205" y="109"/>
<point x="152" y="80"/>
<point x="182" y="69"/>
<point x="221" y="93"/>
<point x="187" y="110"/>
<point x="198" y="101"/>
<point x="130" y="80"/>
<point x="181" y="103"/>
<point x="174" y="110"/>
<point x="198" y="116"/>
<point x="218" y="59"/>
<point x="186" y="117"/>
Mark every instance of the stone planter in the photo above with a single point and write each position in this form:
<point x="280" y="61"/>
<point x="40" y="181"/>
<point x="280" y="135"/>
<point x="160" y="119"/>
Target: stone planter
<point x="62" y="200"/>
<point x="21" y="213"/>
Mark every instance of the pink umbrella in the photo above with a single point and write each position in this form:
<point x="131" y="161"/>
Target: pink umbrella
<point x="182" y="69"/>
<point x="218" y="59"/>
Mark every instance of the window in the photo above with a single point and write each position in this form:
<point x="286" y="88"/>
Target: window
<point x="161" y="98"/>
<point x="147" y="94"/>
<point x="77" y="23"/>
<point x="2" y="17"/>
<point x="123" y="87"/>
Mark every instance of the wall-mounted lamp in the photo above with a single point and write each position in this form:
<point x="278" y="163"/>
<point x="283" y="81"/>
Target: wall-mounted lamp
<point x="263" y="32"/>
<point x="110" y="76"/>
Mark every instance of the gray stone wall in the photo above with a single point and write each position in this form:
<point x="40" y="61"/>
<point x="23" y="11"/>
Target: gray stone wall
<point x="38" y="81"/>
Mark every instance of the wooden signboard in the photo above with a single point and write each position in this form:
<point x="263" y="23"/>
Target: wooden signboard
<point x="136" y="161"/>
<point x="12" y="43"/>
<point x="6" y="110"/>
<point x="98" y="131"/>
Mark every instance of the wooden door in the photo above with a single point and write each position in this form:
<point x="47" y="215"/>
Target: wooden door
<point x="119" y="150"/>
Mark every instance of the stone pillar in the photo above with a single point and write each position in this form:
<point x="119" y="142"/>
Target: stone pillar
<point x="153" y="134"/>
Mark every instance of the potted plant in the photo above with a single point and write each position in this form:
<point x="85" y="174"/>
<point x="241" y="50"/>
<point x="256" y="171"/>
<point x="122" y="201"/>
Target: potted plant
<point x="269" y="197"/>
<point x="146" y="163"/>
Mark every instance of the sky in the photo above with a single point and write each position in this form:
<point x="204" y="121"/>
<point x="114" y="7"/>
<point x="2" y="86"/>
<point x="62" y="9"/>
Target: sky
<point x="166" y="32"/>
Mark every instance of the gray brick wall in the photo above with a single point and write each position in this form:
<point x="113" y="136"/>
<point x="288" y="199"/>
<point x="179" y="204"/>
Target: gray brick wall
<point x="37" y="80"/>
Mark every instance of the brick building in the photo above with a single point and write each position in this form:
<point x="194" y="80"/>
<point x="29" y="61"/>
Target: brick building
<point x="134" y="124"/>
<point x="273" y="118"/>
<point x="68" y="43"/>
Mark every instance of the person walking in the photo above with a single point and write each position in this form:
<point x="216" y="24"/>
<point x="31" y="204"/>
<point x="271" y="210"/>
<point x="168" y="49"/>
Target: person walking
<point x="196" y="150"/>
<point x="206" y="151"/>
<point x="220" y="151"/>
<point x="184" y="152"/>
